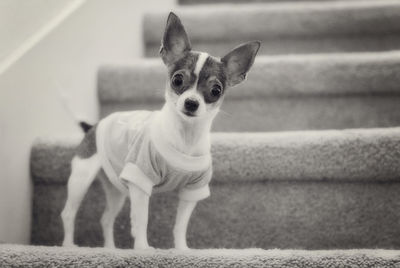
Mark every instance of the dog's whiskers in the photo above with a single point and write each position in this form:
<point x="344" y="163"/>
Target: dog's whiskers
<point x="224" y="112"/>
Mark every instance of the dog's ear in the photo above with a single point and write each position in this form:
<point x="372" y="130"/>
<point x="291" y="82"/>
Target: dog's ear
<point x="175" y="42"/>
<point x="238" y="62"/>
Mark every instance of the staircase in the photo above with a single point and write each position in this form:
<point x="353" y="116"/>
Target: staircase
<point x="283" y="178"/>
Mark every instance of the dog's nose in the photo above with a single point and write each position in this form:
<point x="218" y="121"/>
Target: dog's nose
<point x="191" y="105"/>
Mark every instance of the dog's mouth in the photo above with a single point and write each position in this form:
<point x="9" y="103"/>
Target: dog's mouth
<point x="189" y="114"/>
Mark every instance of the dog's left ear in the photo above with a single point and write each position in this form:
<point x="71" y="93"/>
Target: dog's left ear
<point x="238" y="62"/>
<point x="175" y="42"/>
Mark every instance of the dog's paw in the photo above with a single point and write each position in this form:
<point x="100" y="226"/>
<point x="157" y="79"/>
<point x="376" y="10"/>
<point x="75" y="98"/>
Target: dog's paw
<point x="109" y="245"/>
<point x="142" y="247"/>
<point x="182" y="247"/>
<point x="69" y="245"/>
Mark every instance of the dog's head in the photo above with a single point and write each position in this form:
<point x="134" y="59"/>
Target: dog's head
<point x="197" y="82"/>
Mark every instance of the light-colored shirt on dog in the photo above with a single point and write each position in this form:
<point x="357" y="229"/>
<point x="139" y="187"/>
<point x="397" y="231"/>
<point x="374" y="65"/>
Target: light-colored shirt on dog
<point x="131" y="149"/>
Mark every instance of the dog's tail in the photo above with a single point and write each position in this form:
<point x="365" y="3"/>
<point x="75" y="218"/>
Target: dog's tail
<point x="85" y="126"/>
<point x="63" y="98"/>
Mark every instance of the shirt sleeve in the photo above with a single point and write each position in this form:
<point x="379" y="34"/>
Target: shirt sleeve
<point x="132" y="173"/>
<point x="198" y="189"/>
<point x="139" y="165"/>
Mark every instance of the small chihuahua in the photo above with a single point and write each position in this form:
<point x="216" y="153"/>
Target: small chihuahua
<point x="140" y="152"/>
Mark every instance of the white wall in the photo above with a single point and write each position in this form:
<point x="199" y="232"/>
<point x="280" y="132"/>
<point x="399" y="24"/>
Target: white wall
<point x="20" y="19"/>
<point x="100" y="31"/>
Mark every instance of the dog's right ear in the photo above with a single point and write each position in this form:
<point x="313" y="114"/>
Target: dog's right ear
<point x="239" y="61"/>
<point x="175" y="42"/>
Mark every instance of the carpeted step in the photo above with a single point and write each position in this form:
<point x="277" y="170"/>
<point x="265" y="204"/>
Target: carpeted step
<point x="36" y="256"/>
<point x="302" y="27"/>
<point x="310" y="190"/>
<point x="300" y="92"/>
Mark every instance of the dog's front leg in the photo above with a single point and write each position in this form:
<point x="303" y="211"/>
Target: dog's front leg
<point x="139" y="216"/>
<point x="185" y="209"/>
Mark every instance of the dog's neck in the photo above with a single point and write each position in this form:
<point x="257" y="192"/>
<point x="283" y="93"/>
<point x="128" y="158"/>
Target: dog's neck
<point x="190" y="136"/>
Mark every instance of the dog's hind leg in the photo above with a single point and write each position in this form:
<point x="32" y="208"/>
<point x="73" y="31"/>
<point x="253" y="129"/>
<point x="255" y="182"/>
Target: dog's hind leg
<point x="115" y="199"/>
<point x="83" y="172"/>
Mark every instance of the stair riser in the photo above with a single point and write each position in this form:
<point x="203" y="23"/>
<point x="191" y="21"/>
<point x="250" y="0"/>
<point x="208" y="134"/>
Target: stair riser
<point x="293" y="113"/>
<point x="299" y="45"/>
<point x="309" y="215"/>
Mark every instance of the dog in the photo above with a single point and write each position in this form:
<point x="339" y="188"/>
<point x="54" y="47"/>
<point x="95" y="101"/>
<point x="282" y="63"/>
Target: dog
<point x="138" y="153"/>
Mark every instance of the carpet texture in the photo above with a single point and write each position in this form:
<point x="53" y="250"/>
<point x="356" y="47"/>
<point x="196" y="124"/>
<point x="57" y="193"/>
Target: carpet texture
<point x="343" y="155"/>
<point x="292" y="113"/>
<point x="312" y="27"/>
<point x="304" y="215"/>
<point x="310" y="190"/>
<point x="343" y="74"/>
<point x="282" y="93"/>
<point x="28" y="256"/>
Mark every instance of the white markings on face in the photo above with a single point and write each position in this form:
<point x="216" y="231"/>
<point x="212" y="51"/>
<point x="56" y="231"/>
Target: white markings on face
<point x="199" y="65"/>
<point x="192" y="93"/>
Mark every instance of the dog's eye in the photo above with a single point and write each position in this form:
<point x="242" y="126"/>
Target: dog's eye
<point x="177" y="81"/>
<point x="216" y="90"/>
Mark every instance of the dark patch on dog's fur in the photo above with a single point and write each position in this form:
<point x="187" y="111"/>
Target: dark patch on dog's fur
<point x="211" y="73"/>
<point x="85" y="126"/>
<point x="188" y="64"/>
<point x="88" y="147"/>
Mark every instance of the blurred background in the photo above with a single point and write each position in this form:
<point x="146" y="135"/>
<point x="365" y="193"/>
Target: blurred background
<point x="323" y="64"/>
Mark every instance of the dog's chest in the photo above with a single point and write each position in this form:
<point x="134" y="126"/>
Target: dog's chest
<point x="127" y="140"/>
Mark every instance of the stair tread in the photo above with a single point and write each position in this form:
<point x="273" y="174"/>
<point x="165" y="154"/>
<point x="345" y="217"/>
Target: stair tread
<point x="293" y="75"/>
<point x="325" y="26"/>
<point x="41" y="256"/>
<point x="272" y="20"/>
<point x="302" y="27"/>
<point x="339" y="155"/>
